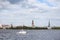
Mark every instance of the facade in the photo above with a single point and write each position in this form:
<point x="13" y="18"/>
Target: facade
<point x="6" y="26"/>
<point x="0" y="26"/>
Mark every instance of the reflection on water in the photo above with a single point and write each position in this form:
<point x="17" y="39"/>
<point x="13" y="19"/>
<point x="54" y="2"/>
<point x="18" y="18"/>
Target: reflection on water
<point x="31" y="35"/>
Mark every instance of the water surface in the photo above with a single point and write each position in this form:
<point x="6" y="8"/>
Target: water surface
<point x="31" y="35"/>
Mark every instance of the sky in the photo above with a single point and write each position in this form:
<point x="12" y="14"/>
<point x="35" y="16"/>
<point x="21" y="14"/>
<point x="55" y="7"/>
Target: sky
<point x="22" y="12"/>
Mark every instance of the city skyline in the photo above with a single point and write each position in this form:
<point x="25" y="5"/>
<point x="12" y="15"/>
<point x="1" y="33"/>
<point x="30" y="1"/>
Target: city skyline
<point x="19" y="12"/>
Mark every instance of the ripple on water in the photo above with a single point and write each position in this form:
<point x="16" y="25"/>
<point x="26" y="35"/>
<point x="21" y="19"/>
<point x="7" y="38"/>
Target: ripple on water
<point x="31" y="35"/>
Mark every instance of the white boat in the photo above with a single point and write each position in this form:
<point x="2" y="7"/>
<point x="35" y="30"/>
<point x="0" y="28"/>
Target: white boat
<point x="22" y="32"/>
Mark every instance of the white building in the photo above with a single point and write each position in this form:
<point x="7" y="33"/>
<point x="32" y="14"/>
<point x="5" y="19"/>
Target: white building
<point x="0" y="26"/>
<point x="6" y="26"/>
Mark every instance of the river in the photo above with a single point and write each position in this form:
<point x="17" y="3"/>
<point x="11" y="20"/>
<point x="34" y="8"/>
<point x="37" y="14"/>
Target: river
<point x="30" y="35"/>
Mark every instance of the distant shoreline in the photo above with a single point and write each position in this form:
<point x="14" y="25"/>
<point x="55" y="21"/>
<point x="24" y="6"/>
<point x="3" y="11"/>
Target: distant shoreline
<point x="32" y="28"/>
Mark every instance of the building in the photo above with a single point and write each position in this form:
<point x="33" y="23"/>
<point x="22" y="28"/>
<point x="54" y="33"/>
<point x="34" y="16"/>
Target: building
<point x="6" y="26"/>
<point x="0" y="26"/>
<point x="32" y="23"/>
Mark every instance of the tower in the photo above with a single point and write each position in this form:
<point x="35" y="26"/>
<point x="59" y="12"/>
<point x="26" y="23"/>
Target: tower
<point x="49" y="23"/>
<point x="32" y="23"/>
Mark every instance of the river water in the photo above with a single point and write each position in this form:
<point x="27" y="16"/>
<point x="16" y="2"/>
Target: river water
<point x="30" y="35"/>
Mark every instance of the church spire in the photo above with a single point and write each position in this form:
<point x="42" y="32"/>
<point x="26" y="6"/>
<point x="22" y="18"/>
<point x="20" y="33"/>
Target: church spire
<point x="49" y="23"/>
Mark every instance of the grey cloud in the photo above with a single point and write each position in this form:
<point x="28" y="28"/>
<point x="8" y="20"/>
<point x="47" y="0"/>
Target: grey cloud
<point x="15" y="1"/>
<point x="58" y="0"/>
<point x="29" y="6"/>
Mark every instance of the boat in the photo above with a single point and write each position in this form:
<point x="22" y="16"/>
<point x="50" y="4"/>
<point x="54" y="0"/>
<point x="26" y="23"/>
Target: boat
<point x="22" y="31"/>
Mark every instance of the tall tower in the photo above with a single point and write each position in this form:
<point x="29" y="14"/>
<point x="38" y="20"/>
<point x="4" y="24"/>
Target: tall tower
<point x="32" y="23"/>
<point x="49" y="23"/>
<point x="49" y="27"/>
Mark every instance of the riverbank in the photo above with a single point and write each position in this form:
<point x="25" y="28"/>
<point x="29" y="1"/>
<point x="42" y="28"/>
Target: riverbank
<point x="32" y="28"/>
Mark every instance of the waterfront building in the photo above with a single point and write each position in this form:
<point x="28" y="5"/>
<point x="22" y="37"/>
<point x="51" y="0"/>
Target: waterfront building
<point x="6" y="26"/>
<point x="0" y="26"/>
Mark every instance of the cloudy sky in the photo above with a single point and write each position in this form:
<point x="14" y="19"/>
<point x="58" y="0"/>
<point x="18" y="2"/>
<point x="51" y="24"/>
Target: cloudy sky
<point x="19" y="12"/>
